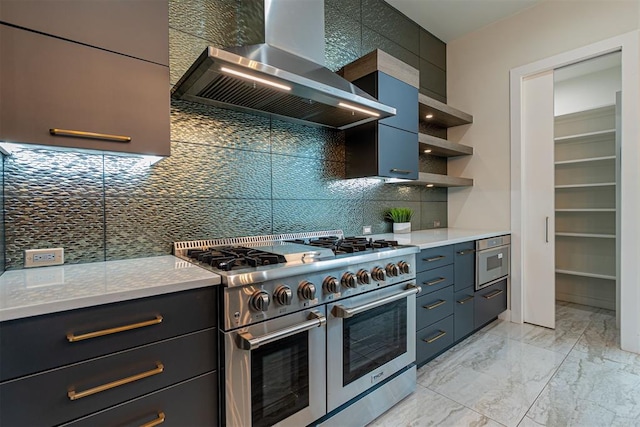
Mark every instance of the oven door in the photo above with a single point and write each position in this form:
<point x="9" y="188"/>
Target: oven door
<point x="369" y="338"/>
<point x="491" y="264"/>
<point x="275" y="371"/>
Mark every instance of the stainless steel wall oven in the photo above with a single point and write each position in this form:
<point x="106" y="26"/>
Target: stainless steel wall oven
<point x="492" y="260"/>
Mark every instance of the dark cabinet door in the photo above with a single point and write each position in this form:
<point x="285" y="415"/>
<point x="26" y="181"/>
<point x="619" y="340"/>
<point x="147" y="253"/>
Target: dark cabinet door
<point x="47" y="83"/>
<point x="465" y="265"/>
<point x="463" y="310"/>
<point x="489" y="302"/>
<point x="401" y="96"/>
<point x="397" y="153"/>
<point x="138" y="28"/>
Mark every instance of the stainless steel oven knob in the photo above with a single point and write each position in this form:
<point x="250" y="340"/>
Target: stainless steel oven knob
<point x="283" y="295"/>
<point x="349" y="280"/>
<point x="364" y="277"/>
<point x="260" y="301"/>
<point x="331" y="285"/>
<point x="392" y="270"/>
<point x="405" y="267"/>
<point x="378" y="274"/>
<point x="307" y="290"/>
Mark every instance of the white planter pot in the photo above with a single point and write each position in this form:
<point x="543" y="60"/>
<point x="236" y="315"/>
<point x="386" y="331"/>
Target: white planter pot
<point x="401" y="227"/>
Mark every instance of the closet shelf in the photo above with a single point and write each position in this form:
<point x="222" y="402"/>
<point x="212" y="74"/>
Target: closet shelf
<point x="585" y="274"/>
<point x="595" y="184"/>
<point x="588" y="235"/>
<point x="442" y="147"/>
<point x="592" y="159"/>
<point x="586" y="210"/>
<point x="579" y="137"/>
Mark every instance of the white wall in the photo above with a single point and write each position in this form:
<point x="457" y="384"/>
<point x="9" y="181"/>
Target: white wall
<point x="478" y="67"/>
<point x="588" y="91"/>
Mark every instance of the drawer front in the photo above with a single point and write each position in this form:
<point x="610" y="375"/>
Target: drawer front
<point x="465" y="265"/>
<point x="45" y="399"/>
<point x="434" y="257"/>
<point x="433" y="339"/>
<point x="490" y="302"/>
<point x="463" y="302"/>
<point x="25" y="341"/>
<point x="191" y="403"/>
<point x="436" y="279"/>
<point x="434" y="306"/>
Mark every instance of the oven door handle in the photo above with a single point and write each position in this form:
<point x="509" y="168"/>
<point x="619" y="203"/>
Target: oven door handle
<point x="344" y="312"/>
<point x="246" y="341"/>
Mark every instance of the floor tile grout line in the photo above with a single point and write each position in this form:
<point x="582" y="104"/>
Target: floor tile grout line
<point x="462" y="404"/>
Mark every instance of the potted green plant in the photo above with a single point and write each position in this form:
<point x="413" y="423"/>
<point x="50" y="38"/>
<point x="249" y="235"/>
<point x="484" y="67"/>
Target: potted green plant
<point x="401" y="218"/>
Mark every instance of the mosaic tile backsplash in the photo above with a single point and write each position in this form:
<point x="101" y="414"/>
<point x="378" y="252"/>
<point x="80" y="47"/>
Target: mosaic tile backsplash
<point x="230" y="173"/>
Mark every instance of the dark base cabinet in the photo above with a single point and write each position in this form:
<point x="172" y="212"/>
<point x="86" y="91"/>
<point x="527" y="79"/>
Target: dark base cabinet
<point x="489" y="303"/>
<point x="434" y="339"/>
<point x="463" y="312"/>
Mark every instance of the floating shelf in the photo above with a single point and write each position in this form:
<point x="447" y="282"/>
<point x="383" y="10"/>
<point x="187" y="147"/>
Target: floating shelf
<point x="597" y="184"/>
<point x="592" y="159"/>
<point x="586" y="210"/>
<point x="587" y="235"/>
<point x="585" y="274"/>
<point x="434" y="180"/>
<point x="442" y="147"/>
<point x="444" y="116"/>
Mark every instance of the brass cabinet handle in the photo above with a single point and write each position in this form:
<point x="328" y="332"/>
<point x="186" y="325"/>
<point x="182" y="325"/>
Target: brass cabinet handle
<point x="159" y="420"/>
<point x="435" y="282"/>
<point x="437" y="337"/>
<point x="437" y="258"/>
<point x="494" y="294"/>
<point x="466" y="252"/>
<point x="467" y="299"/>
<point x="402" y="171"/>
<point x="73" y="395"/>
<point x="73" y="338"/>
<point x="434" y="305"/>
<point x="89" y="135"/>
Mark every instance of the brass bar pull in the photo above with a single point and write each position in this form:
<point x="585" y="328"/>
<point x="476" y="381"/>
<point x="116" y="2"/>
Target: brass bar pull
<point x="434" y="305"/>
<point x="89" y="135"/>
<point x="494" y="294"/>
<point x="435" y="282"/>
<point x="466" y="252"/>
<point x="465" y="300"/>
<point x="402" y="171"/>
<point x="73" y="395"/>
<point x="155" y="422"/>
<point x="73" y="338"/>
<point x="437" y="258"/>
<point x="436" y="338"/>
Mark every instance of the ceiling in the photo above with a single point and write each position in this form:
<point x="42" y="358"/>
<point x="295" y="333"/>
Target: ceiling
<point x="451" y="19"/>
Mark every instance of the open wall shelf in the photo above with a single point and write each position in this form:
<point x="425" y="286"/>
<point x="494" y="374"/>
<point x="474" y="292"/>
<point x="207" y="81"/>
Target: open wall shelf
<point x="444" y="116"/>
<point x="441" y="147"/>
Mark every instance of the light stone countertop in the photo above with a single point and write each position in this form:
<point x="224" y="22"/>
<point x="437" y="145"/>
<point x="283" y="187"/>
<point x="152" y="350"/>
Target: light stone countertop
<point x="44" y="290"/>
<point x="439" y="236"/>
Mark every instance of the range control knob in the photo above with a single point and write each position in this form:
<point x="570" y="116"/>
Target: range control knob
<point x="259" y="301"/>
<point x="364" y="277"/>
<point x="405" y="267"/>
<point x="349" y="280"/>
<point x="283" y="295"/>
<point x="392" y="270"/>
<point x="378" y="274"/>
<point x="331" y="285"/>
<point x="307" y="290"/>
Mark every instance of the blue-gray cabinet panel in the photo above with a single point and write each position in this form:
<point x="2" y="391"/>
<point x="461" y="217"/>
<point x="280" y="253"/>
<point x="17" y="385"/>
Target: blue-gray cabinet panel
<point x="434" y="306"/>
<point x="463" y="304"/>
<point x="397" y="153"/>
<point x="433" y="339"/>
<point x="465" y="264"/>
<point x="401" y="96"/>
<point x="435" y="279"/>
<point x="434" y="257"/>
<point x="489" y="303"/>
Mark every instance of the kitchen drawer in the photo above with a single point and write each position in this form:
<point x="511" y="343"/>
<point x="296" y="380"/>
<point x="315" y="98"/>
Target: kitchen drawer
<point x="52" y="85"/>
<point x="39" y="343"/>
<point x="436" y="279"/>
<point x="465" y="265"/>
<point x="432" y="340"/>
<point x="489" y="302"/>
<point x="190" y="403"/>
<point x="463" y="313"/>
<point x="43" y="399"/>
<point x="434" y="257"/>
<point x="434" y="306"/>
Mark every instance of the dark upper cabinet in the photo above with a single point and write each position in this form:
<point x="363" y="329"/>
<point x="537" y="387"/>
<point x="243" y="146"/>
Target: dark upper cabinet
<point x="115" y="102"/>
<point x="135" y="28"/>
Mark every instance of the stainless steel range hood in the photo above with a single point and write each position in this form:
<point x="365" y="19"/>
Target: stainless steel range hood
<point x="265" y="79"/>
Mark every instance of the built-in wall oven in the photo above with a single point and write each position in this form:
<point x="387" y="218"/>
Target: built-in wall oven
<point x="492" y="260"/>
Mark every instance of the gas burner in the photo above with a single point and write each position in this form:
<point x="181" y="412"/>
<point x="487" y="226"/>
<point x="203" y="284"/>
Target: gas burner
<point x="227" y="258"/>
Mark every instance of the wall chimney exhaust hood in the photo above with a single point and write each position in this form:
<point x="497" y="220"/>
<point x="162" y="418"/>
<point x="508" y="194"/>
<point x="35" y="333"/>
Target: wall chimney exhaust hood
<point x="269" y="79"/>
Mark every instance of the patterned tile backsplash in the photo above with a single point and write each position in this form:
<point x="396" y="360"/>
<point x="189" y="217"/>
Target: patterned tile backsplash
<point x="230" y="173"/>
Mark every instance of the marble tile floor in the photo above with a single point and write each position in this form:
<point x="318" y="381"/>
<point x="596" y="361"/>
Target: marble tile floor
<point x="509" y="374"/>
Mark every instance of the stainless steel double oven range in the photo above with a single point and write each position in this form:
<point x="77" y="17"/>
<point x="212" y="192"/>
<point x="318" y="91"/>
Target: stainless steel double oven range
<point x="317" y="328"/>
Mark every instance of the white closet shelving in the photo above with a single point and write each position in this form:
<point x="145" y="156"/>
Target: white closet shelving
<point x="585" y="206"/>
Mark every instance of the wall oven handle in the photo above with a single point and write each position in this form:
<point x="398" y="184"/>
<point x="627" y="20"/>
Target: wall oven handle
<point x="246" y="341"/>
<point x="344" y="312"/>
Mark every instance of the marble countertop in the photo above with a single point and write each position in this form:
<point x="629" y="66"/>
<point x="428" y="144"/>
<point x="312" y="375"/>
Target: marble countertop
<point x="439" y="236"/>
<point x="36" y="291"/>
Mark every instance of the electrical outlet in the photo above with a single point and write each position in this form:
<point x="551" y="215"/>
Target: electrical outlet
<point x="43" y="257"/>
<point x="436" y="223"/>
<point x="366" y="229"/>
